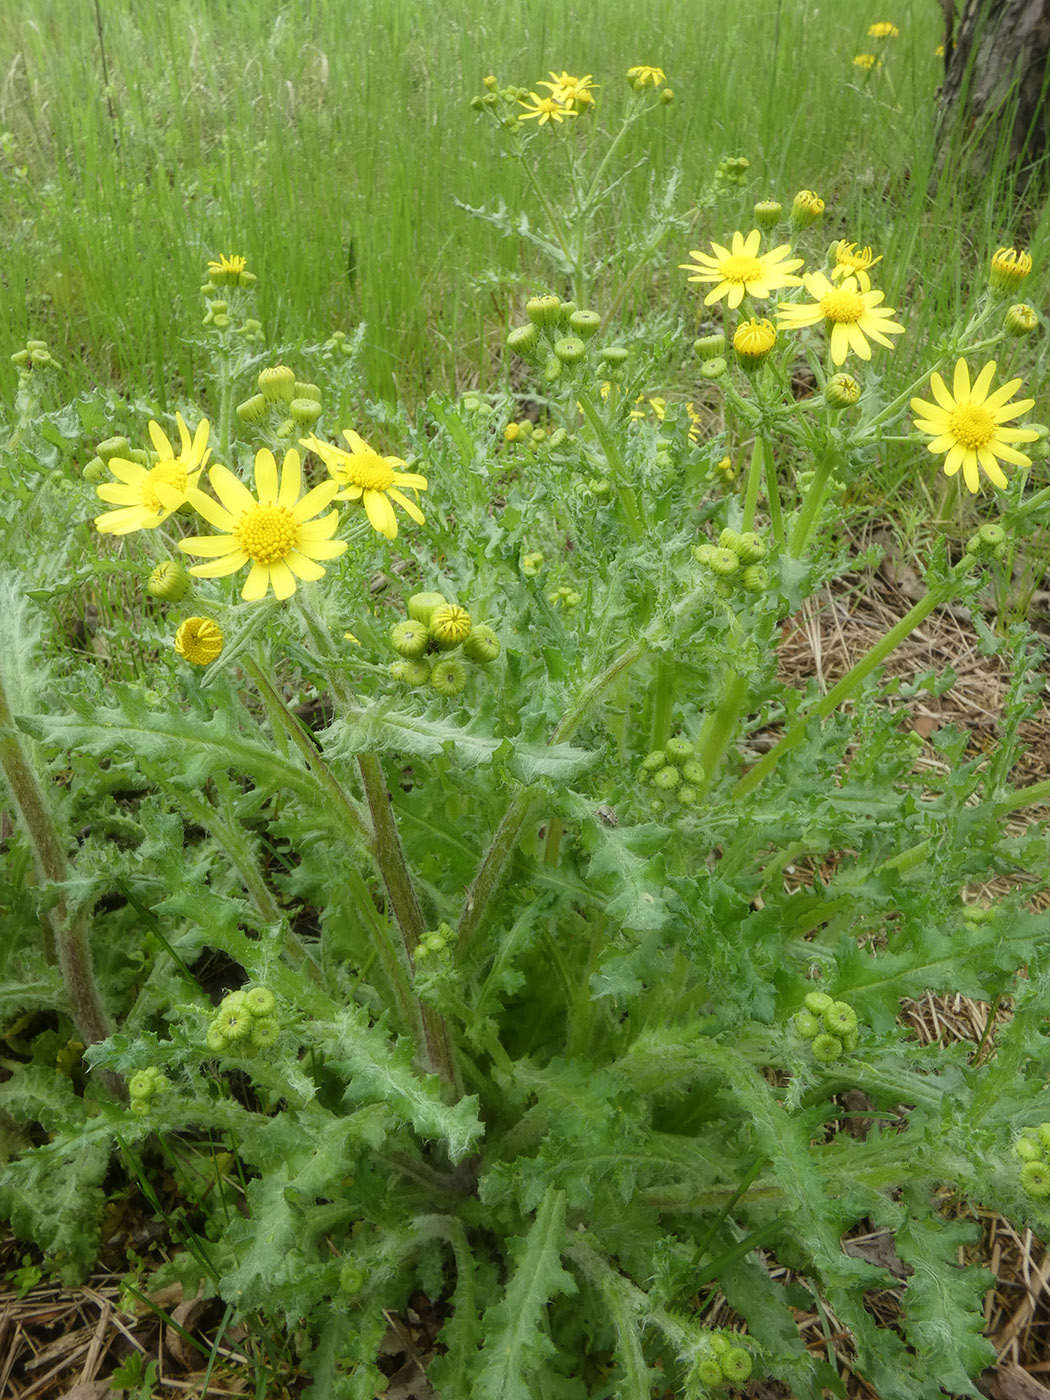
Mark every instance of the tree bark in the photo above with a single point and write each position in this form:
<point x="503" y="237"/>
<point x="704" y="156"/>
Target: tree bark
<point x="996" y="79"/>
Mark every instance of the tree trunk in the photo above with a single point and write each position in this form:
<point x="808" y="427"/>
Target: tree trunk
<point x="996" y="78"/>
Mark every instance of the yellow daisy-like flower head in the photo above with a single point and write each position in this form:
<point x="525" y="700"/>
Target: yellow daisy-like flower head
<point x="742" y="269"/>
<point x="641" y="75"/>
<point x="199" y="640"/>
<point x="274" y="531"/>
<point x="753" y="340"/>
<point x="566" y="88"/>
<point x="851" y="261"/>
<point x="548" y="109"/>
<point x="1009" y="267"/>
<point x="852" y="314"/>
<point x="227" y="270"/>
<point x="967" y="425"/>
<point x="883" y="29"/>
<point x="866" y="60"/>
<point x="365" y="476"/>
<point x="146" y="496"/>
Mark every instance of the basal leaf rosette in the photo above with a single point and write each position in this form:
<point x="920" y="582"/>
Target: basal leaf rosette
<point x="967" y="425"/>
<point x="741" y="269"/>
<point x="274" y="531"/>
<point x="146" y="496"/>
<point x="852" y="314"/>
<point x="363" y="475"/>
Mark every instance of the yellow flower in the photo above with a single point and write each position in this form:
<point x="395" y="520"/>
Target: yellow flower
<point x="743" y="269"/>
<point x="853" y="261"/>
<point x="1009" y="268"/>
<point x="548" y="109"/>
<point x="939" y="51"/>
<point x="641" y="76"/>
<point x="148" y="495"/>
<point x="753" y="340"/>
<point x="694" y="422"/>
<point x="274" y="533"/>
<point x="866" y="60"/>
<point x="852" y="314"/>
<point x="967" y="425"/>
<point x="227" y="269"/>
<point x="806" y="208"/>
<point x="364" y="474"/>
<point x="566" y="88"/>
<point x="883" y="29"/>
<point x="198" y="640"/>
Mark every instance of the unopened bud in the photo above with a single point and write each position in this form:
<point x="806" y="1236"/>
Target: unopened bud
<point x="570" y="350"/>
<point x="415" y="672"/>
<point x="448" y="676"/>
<point x="307" y="391"/>
<point x="755" y="578"/>
<point x="94" y="471"/>
<point x="768" y="213"/>
<point x="730" y="539"/>
<point x="667" y="778"/>
<point x="199" y="640"/>
<point x="710" y="347"/>
<point x="113" y="447"/>
<point x="614" y="355"/>
<point x="751" y="548"/>
<point x="1008" y="269"/>
<point x="826" y="1048"/>
<point x="522" y="339"/>
<point x="723" y="562"/>
<point x="304" y="412"/>
<point x="806" y="208"/>
<point x="1020" y="319"/>
<point x="544" y="311"/>
<point x="169" y="580"/>
<point x="585" y="323"/>
<point x="421" y="606"/>
<point x="449" y="625"/>
<point x="713" y="369"/>
<point x="277" y="383"/>
<point x="693" y="771"/>
<point x="552" y="369"/>
<point x="841" y="391"/>
<point x="653" y="761"/>
<point x="409" y="638"/>
<point x="667" y="96"/>
<point x="678" y="747"/>
<point x="752" y="341"/>
<point x="481" y="645"/>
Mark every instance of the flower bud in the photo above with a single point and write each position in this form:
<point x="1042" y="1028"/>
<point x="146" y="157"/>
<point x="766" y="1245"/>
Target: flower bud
<point x="410" y="672"/>
<point x="20" y="357"/>
<point x="260" y="1001"/>
<point x="113" y="447"/>
<point x="806" y="1024"/>
<point x="304" y="412"/>
<point x="552" y="369"/>
<point x="806" y="208"/>
<point x="421" y="606"/>
<point x="730" y="539"/>
<point x="448" y="676"/>
<point x="585" y="323"/>
<point x="253" y="410"/>
<point x="652" y="761"/>
<point x="522" y="339"/>
<point x="264" y="1032"/>
<point x="566" y="311"/>
<point x="992" y="534"/>
<point x="169" y="580"/>
<point x="687" y="795"/>
<point x="409" y="638"/>
<point x="826" y="1048"/>
<point x="532" y="563"/>
<point x="817" y="1002"/>
<point x="708" y="1371"/>
<point x="246" y="278"/>
<point x="614" y="355"/>
<point x="539" y="435"/>
<point x="220" y="320"/>
<point x="94" y="471"/>
<point x="679" y="748"/>
<point x="667" y="778"/>
<point x="1008" y="269"/>
<point x="841" y="391"/>
<point x="736" y="1365"/>
<point x="752" y="341"/>
<point x="277" y="383"/>
<point x="544" y="311"/>
<point x="557" y="437"/>
<point x="713" y="369"/>
<point x="304" y="390"/>
<point x="449" y="625"/>
<point x="693" y="771"/>
<point x="215" y="1039"/>
<point x="751" y="548"/>
<point x="491" y="81"/>
<point x="1035" y="1179"/>
<point x="199" y="640"/>
<point x="710" y="347"/>
<point x="140" y="1086"/>
<point x="755" y="578"/>
<point x="667" y="96"/>
<point x="768" y="213"/>
<point x="1028" y="1149"/>
<point x="839" y="1019"/>
<point x="570" y="350"/>
<point x="723" y="562"/>
<point x="1020" y="319"/>
<point x="481" y="645"/>
<point x="704" y="553"/>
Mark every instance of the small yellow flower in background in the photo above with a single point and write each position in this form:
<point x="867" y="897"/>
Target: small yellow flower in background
<point x="866" y="60"/>
<point x="1009" y="267"/>
<point x="753" y="340"/>
<point x="851" y="261"/>
<point x="967" y="425"/>
<point x="199" y="640"/>
<point x="641" y="76"/>
<point x="939" y="51"/>
<point x="566" y="88"/>
<point x="851" y="313"/>
<point x="364" y="475"/>
<point x="743" y="269"/>
<point x="227" y="269"/>
<point x="694" y="422"/>
<point x="548" y="109"/>
<point x="806" y="208"/>
<point x="725" y="466"/>
<point x="883" y="29"/>
<point x="274" y="533"/>
<point x="658" y="405"/>
<point x="148" y="495"/>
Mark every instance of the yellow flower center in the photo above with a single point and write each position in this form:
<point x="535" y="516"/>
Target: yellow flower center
<point x="267" y="533"/>
<point x="740" y="268"/>
<point x="171" y="473"/>
<point x="366" y="469"/>
<point x="972" y="426"/>
<point x="842" y="306"/>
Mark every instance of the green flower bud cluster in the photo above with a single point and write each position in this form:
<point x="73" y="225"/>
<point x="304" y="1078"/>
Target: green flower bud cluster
<point x="436" y="944"/>
<point x="336" y="345"/>
<point x="144" y="1086"/>
<point x="732" y="171"/>
<point x="95" y="470"/>
<point x="988" y="543"/>
<point x="532" y="436"/>
<point x="1033" y="1148"/>
<point x="217" y="315"/>
<point x="532" y="563"/>
<point x="830" y="1026"/>
<point x="736" y="561"/>
<point x="474" y="403"/>
<point x="36" y="355"/>
<point x="500" y="103"/>
<point x="298" y="403"/>
<point x="565" y="597"/>
<point x="721" y="1361"/>
<point x="557" y="333"/>
<point x="436" y="640"/>
<point x="674" y="772"/>
<point x="245" y="1022"/>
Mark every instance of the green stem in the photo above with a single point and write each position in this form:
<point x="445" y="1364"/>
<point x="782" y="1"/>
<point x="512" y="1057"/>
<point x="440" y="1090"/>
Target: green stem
<point x="69" y="932"/>
<point x="776" y="515"/>
<point x="663" y="700"/>
<point x="853" y="679"/>
<point x="1023" y="797"/>
<point x="718" y="728"/>
<point x="754" y="476"/>
<point x="808" y="515"/>
<point x="391" y="959"/>
<point x="555" y="222"/>
<point x="628" y="500"/>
